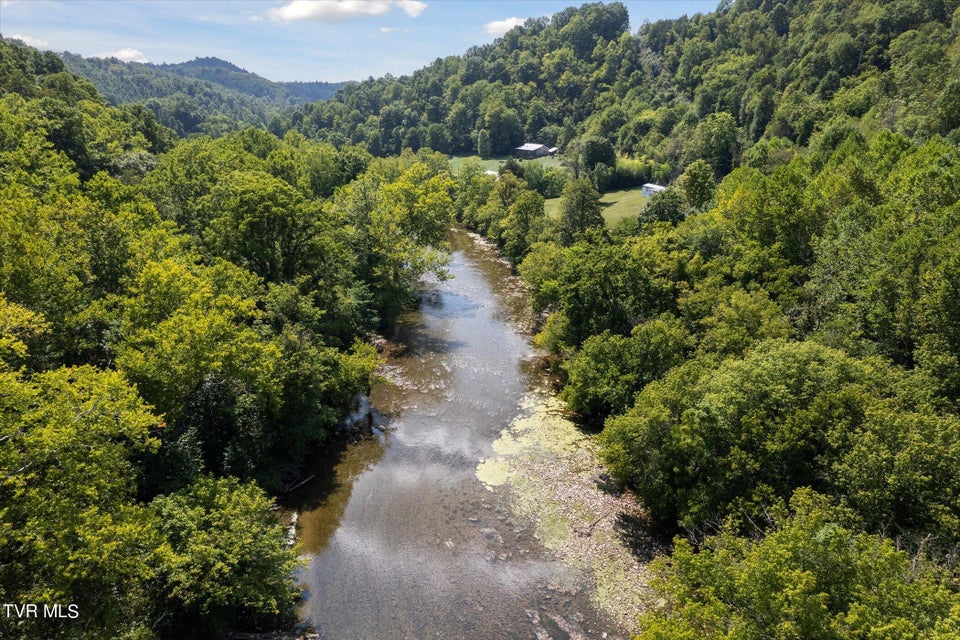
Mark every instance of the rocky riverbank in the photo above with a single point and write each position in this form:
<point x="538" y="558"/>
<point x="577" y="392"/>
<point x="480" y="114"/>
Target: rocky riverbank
<point x="556" y="481"/>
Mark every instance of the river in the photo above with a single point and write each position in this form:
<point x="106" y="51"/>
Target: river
<point x="401" y="538"/>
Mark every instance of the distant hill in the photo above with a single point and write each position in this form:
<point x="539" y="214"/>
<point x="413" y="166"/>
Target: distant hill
<point x="204" y="95"/>
<point x="231" y="76"/>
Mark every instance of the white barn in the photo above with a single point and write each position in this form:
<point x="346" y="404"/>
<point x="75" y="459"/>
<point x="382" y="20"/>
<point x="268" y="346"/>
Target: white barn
<point x="651" y="189"/>
<point x="531" y="150"/>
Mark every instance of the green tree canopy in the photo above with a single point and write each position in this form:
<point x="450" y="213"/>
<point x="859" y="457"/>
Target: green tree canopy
<point x="812" y="576"/>
<point x="703" y="444"/>
<point x="579" y="210"/>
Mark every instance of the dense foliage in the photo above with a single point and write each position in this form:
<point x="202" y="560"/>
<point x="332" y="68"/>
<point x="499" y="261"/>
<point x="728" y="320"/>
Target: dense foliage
<point x="811" y="576"/>
<point x="176" y="330"/>
<point x="773" y="342"/>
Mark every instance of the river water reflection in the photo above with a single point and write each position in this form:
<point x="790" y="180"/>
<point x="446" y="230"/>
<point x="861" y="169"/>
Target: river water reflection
<point x="402" y="540"/>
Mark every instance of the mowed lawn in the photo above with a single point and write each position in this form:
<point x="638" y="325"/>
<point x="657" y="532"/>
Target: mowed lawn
<point x="616" y="205"/>
<point x="494" y="164"/>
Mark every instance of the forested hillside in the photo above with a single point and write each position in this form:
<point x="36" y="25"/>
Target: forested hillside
<point x="176" y="331"/>
<point x="772" y="344"/>
<point x="205" y="95"/>
<point x="768" y="69"/>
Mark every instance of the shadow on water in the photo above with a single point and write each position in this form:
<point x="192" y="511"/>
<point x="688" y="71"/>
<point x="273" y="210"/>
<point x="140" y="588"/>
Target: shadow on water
<point x="417" y="341"/>
<point x="321" y="502"/>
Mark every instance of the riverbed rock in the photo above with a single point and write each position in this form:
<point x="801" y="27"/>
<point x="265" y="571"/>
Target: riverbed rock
<point x="492" y="534"/>
<point x="541" y="633"/>
<point x="292" y="530"/>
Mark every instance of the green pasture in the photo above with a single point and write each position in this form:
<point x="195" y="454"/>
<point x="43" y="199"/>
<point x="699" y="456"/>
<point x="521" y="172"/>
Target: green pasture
<point x="494" y="164"/>
<point x="616" y="205"/>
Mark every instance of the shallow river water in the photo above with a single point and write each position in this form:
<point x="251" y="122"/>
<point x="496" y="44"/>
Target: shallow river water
<point x="402" y="540"/>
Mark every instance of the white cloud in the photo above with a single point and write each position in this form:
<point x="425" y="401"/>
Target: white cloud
<point x="127" y="54"/>
<point x="329" y="10"/>
<point x="32" y="42"/>
<point x="393" y="30"/>
<point x="500" y="27"/>
<point x="337" y="10"/>
<point x="412" y="8"/>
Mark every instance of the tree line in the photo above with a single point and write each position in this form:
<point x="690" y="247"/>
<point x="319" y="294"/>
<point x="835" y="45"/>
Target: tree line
<point x="708" y="86"/>
<point x="770" y="346"/>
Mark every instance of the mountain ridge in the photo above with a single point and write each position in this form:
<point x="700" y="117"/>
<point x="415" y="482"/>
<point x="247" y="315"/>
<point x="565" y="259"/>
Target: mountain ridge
<point x="203" y="95"/>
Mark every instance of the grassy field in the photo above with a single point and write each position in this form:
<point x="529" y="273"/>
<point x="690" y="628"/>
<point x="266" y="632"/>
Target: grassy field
<point x="620" y="205"/>
<point x="616" y="205"/>
<point x="493" y="164"/>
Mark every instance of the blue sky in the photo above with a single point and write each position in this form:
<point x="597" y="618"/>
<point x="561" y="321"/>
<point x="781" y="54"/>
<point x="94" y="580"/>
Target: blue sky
<point x="285" y="40"/>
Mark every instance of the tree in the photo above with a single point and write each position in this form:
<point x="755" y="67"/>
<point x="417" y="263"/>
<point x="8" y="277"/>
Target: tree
<point x="522" y="225"/>
<point x="185" y="338"/>
<point x="540" y="270"/>
<point x="437" y="137"/>
<point x="460" y="123"/>
<point x="261" y="223"/>
<point x="812" y="576"/>
<point x="706" y="443"/>
<point x="188" y="173"/>
<point x="608" y="370"/>
<point x="595" y="285"/>
<point x="504" y="127"/>
<point x="716" y="139"/>
<point x="697" y="185"/>
<point x="43" y="265"/>
<point x="740" y="320"/>
<point x="484" y="146"/>
<point x="597" y="150"/>
<point x="579" y="210"/>
<point x="224" y="560"/>
<point x="182" y="323"/>
<point x="780" y="19"/>
<point x="18" y="325"/>
<point x="72" y="532"/>
<point x="666" y="206"/>
<point x="401" y="224"/>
